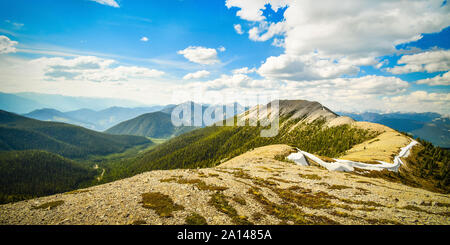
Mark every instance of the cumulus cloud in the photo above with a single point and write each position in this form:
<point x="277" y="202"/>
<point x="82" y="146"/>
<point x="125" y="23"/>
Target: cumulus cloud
<point x="238" y="29"/>
<point x="91" y="68"/>
<point x="251" y="10"/>
<point x="420" y="101"/>
<point x="339" y="94"/>
<point x="243" y="70"/>
<point x="443" y="79"/>
<point x="341" y="33"/>
<point x="278" y="42"/>
<point x="197" y="75"/>
<point x="111" y="3"/>
<point x="266" y="31"/>
<point x="430" y="61"/>
<point x="305" y="67"/>
<point x="240" y="82"/>
<point x="6" y="45"/>
<point x="222" y="49"/>
<point x="200" y="55"/>
<point x="20" y="74"/>
<point x="144" y="39"/>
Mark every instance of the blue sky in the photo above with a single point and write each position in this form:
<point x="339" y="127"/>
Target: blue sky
<point x="145" y="50"/>
<point x="172" y="25"/>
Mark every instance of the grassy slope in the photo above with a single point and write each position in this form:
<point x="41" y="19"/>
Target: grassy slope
<point x="427" y="167"/>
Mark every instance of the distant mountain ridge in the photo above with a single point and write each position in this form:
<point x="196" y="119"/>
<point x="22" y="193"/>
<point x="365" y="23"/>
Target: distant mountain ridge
<point x="57" y="116"/>
<point x="22" y="103"/>
<point x="159" y="124"/>
<point x="95" y="120"/>
<point x="17" y="104"/>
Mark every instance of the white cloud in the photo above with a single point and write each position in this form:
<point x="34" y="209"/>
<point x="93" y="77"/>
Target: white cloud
<point x="243" y="70"/>
<point x="200" y="55"/>
<point x="238" y="29"/>
<point x="341" y="33"/>
<point x="144" y="39"/>
<point x="266" y="31"/>
<point x="251" y="9"/>
<point x="238" y="82"/>
<point x="348" y="94"/>
<point x="430" y="61"/>
<point x="443" y="79"/>
<point x="222" y="49"/>
<point x="382" y="63"/>
<point x="360" y="28"/>
<point x="197" y="75"/>
<point x="21" y="75"/>
<point x="91" y="68"/>
<point x="6" y="45"/>
<point x="111" y="3"/>
<point x="306" y="67"/>
<point x="420" y="101"/>
<point x="277" y="42"/>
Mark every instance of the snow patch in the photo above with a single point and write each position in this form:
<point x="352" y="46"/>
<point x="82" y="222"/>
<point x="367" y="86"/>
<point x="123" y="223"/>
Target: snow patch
<point x="349" y="166"/>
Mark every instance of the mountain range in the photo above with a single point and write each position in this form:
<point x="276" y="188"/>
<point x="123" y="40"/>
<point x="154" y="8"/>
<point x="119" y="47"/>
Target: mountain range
<point x="159" y="124"/>
<point x="231" y="174"/>
<point x="304" y="125"/>
<point x="103" y="114"/>
<point x="95" y="120"/>
<point x="22" y="103"/>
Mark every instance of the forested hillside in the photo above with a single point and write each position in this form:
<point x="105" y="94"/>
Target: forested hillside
<point x="34" y="156"/>
<point x="155" y="125"/>
<point x="27" y="174"/>
<point x="20" y="133"/>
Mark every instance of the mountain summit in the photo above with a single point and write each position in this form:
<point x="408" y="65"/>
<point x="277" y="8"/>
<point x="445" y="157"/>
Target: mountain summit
<point x="296" y="110"/>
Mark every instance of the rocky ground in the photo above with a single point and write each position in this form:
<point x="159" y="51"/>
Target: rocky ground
<point x="253" y="188"/>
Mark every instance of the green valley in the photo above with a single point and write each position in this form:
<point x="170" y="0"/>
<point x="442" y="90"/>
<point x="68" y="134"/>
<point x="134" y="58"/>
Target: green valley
<point x="41" y="158"/>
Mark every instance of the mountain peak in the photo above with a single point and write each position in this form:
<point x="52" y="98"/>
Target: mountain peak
<point x="295" y="109"/>
<point x="304" y="110"/>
